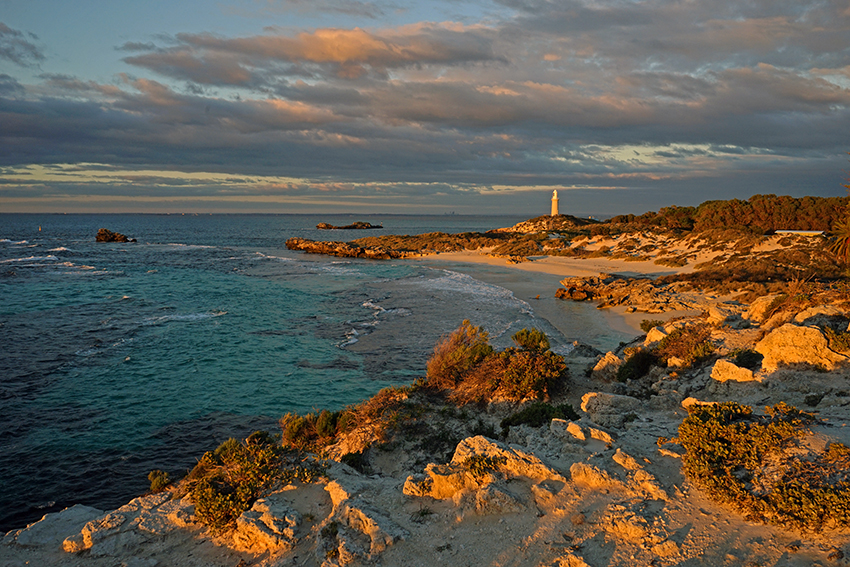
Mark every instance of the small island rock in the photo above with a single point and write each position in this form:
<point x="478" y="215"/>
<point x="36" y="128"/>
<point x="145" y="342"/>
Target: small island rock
<point x="104" y="235"/>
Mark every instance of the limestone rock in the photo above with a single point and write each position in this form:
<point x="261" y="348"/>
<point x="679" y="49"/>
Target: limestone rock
<point x="271" y="524"/>
<point x="687" y="403"/>
<point x="725" y="314"/>
<point x="792" y="344"/>
<point x="566" y="429"/>
<point x="758" y="308"/>
<point x="381" y="530"/>
<point x="725" y="371"/>
<point x="608" y="410"/>
<point x="654" y="335"/>
<point x="626" y="461"/>
<point x="114" y="532"/>
<point x="441" y="482"/>
<point x="594" y="478"/>
<point x="516" y="462"/>
<point x="52" y="529"/>
<point x="823" y="316"/>
<point x="606" y="368"/>
<point x="493" y="499"/>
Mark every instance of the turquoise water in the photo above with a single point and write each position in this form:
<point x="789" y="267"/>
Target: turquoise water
<point x="121" y="358"/>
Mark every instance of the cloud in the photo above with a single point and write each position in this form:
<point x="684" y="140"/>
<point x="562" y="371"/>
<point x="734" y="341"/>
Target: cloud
<point x="669" y="100"/>
<point x="15" y="46"/>
<point x="345" y="53"/>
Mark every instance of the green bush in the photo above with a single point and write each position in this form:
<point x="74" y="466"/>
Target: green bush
<point x="537" y="414"/>
<point x="326" y="423"/>
<point x="456" y="355"/>
<point x="465" y="363"/>
<point x="530" y="374"/>
<point x="227" y="481"/>
<point x="159" y="480"/>
<point x="690" y="344"/>
<point x="636" y="366"/>
<point x="748" y="359"/>
<point x="531" y="339"/>
<point x="648" y="324"/>
<point x="733" y="455"/>
<point x="482" y="465"/>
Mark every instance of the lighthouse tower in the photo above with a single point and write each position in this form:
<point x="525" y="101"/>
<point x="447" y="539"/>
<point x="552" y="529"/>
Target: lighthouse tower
<point x="555" y="203"/>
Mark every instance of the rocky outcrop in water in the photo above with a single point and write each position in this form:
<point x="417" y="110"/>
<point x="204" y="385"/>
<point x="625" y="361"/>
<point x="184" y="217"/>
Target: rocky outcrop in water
<point x="348" y="250"/>
<point x="104" y="235"/>
<point x="359" y="225"/>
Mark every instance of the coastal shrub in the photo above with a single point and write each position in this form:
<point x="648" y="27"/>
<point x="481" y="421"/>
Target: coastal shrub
<point x="838" y="340"/>
<point x="747" y="358"/>
<point x="530" y="374"/>
<point x="689" y="344"/>
<point x="456" y="355"/>
<point x="756" y="464"/>
<point x="531" y="339"/>
<point x="637" y="365"/>
<point x="482" y="465"/>
<point x="326" y="423"/>
<point x="159" y="480"/>
<point x="537" y="414"/>
<point x="227" y="481"/>
<point x="466" y="365"/>
<point x="648" y="324"/>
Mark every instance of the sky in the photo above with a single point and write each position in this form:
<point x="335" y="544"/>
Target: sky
<point x="428" y="106"/>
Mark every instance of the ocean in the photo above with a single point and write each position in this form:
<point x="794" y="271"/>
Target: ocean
<point x="116" y="359"/>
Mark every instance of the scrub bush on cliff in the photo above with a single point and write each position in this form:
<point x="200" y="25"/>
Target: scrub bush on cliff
<point x="456" y="355"/>
<point x="465" y="364"/>
<point x="758" y="465"/>
<point x="228" y="481"/>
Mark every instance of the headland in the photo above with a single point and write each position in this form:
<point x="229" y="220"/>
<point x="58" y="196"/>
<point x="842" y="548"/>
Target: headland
<point x="717" y="435"/>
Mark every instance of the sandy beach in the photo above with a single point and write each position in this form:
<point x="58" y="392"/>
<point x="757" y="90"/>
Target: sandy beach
<point x="537" y="280"/>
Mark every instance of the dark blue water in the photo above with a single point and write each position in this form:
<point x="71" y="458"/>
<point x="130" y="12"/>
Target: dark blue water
<point x="121" y="358"/>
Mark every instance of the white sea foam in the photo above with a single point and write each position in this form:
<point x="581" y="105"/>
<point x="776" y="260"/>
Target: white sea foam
<point x="60" y="249"/>
<point x="478" y="291"/>
<point x="350" y="338"/>
<point x="184" y="317"/>
<point x="187" y="246"/>
<point x="18" y="242"/>
<point x="378" y="309"/>
<point x="30" y="259"/>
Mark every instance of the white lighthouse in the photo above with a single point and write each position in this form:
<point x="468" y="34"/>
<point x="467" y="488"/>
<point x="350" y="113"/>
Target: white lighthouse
<point x="555" y="203"/>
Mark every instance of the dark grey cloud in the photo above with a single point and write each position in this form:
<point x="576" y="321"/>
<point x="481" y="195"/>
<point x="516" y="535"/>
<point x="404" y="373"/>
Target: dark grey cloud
<point x="655" y="101"/>
<point x="10" y="87"/>
<point x="18" y="47"/>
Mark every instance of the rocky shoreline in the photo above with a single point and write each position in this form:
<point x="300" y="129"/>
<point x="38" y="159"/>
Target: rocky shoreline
<point x="463" y="484"/>
<point x="601" y="489"/>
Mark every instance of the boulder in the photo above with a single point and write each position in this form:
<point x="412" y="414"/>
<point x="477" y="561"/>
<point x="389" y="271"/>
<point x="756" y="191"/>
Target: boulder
<point x="606" y="368"/>
<point x="758" y="308"/>
<point x="608" y="410"/>
<point x="270" y="524"/>
<point x="823" y="316"/>
<point x="114" y="532"/>
<point x="378" y="527"/>
<point x="517" y="463"/>
<point x="654" y="335"/>
<point x="725" y="371"/>
<point x="52" y="529"/>
<point x="725" y="314"/>
<point x="565" y="429"/>
<point x="104" y="235"/>
<point x="792" y="344"/>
